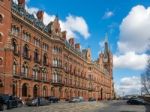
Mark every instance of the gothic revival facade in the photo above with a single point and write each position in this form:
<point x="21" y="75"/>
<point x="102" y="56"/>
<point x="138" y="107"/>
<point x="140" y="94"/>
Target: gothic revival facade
<point x="38" y="60"/>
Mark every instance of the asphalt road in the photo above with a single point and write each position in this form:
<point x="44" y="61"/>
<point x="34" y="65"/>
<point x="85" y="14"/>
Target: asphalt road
<point x="121" y="106"/>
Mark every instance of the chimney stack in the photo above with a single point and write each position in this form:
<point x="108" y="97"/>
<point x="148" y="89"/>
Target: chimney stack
<point x="21" y="3"/>
<point x="40" y="15"/>
<point x="77" y="46"/>
<point x="64" y="35"/>
<point x="71" y="42"/>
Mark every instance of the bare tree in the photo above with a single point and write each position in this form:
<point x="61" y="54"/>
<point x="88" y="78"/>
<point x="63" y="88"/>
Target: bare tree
<point x="145" y="79"/>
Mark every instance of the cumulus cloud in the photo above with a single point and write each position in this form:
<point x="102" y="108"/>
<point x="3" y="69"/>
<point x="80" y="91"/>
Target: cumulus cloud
<point x="128" y="86"/>
<point x="130" y="60"/>
<point x="72" y="24"/>
<point x="134" y="30"/>
<point x="75" y="24"/>
<point x="108" y="14"/>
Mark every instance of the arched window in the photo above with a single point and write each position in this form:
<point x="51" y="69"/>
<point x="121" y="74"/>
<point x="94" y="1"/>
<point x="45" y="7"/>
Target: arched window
<point x="36" y="55"/>
<point x="35" y="72"/>
<point x="52" y="91"/>
<point x="45" y="59"/>
<point x="25" y="69"/>
<point x="44" y="91"/>
<point x="1" y="35"/>
<point x="44" y="74"/>
<point x="1" y="18"/>
<point x="1" y="61"/>
<point x="1" y="83"/>
<point x="14" y="68"/>
<point x="14" y="44"/>
<point x="26" y="51"/>
<point x="24" y="90"/>
<point x="35" y="90"/>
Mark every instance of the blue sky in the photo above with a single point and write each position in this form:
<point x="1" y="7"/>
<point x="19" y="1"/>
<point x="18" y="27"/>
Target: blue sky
<point x="124" y="21"/>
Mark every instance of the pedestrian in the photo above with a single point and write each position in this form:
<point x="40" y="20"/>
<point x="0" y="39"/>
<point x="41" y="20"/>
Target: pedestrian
<point x="38" y="101"/>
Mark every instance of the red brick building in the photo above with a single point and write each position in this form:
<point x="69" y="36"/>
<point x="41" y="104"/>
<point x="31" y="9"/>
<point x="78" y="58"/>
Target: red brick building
<point x="37" y="60"/>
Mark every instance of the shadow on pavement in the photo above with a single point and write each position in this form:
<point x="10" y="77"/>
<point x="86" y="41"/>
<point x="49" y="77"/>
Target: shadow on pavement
<point x="147" y="107"/>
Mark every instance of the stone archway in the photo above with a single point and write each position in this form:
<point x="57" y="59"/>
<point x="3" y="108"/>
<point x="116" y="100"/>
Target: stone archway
<point x="1" y="86"/>
<point x="52" y="91"/>
<point x="35" y="91"/>
<point x="101" y="93"/>
<point x="25" y="90"/>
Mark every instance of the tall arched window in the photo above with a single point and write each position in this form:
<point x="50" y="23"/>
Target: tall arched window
<point x="1" y="61"/>
<point x="25" y="69"/>
<point x="44" y="91"/>
<point x="35" y="90"/>
<point x="52" y="91"/>
<point x="45" y="59"/>
<point x="26" y="51"/>
<point x="14" y="68"/>
<point x="24" y="90"/>
<point x="35" y="72"/>
<point x="1" y="18"/>
<point x="1" y="35"/>
<point x="36" y="55"/>
<point x="14" y="44"/>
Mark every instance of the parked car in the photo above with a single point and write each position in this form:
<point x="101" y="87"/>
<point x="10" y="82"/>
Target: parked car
<point x="1" y="103"/>
<point x="52" y="99"/>
<point x="137" y="101"/>
<point x="37" y="101"/>
<point x="8" y="101"/>
<point x="76" y="99"/>
<point x="91" y="99"/>
<point x="20" y="101"/>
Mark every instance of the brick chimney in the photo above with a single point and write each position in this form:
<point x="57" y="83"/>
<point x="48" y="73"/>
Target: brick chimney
<point x="77" y="46"/>
<point x="64" y="35"/>
<point x="71" y="42"/>
<point x="21" y="3"/>
<point x="40" y="15"/>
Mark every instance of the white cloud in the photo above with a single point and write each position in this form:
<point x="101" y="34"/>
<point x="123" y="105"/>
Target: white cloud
<point x="108" y="14"/>
<point x="72" y="24"/>
<point x="130" y="60"/>
<point x="75" y="24"/>
<point x="129" y="85"/>
<point x="134" y="30"/>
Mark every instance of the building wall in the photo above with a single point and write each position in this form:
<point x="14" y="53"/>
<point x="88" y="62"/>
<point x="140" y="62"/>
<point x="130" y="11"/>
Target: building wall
<point x="68" y="72"/>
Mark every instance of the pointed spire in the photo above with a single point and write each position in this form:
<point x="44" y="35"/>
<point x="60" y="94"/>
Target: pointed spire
<point x="56" y="17"/>
<point x="106" y="49"/>
<point x="106" y="38"/>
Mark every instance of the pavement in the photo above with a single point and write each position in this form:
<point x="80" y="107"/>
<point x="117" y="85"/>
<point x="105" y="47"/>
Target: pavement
<point x="103" y="106"/>
<point x="62" y="107"/>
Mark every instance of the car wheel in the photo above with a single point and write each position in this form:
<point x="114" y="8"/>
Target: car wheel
<point x="19" y="104"/>
<point x="5" y="107"/>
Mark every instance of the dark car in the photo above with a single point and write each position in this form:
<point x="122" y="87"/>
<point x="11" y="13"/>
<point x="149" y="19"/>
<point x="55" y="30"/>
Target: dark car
<point x="37" y="102"/>
<point x="1" y="103"/>
<point x="20" y="101"/>
<point x="137" y="101"/>
<point x="91" y="99"/>
<point x="8" y="101"/>
<point x="52" y="99"/>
